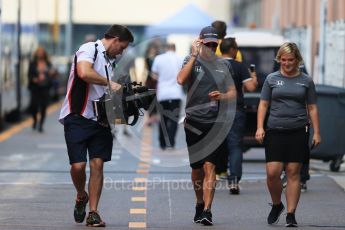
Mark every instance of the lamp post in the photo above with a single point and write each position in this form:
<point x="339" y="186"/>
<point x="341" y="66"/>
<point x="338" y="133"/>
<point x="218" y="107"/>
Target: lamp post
<point x="1" y="77"/>
<point x="68" y="45"/>
<point x="18" y="65"/>
<point x="323" y="16"/>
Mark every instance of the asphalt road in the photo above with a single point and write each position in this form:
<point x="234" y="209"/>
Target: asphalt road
<point x="146" y="188"/>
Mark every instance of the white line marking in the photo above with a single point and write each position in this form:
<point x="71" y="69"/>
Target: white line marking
<point x="169" y="202"/>
<point x="51" y="146"/>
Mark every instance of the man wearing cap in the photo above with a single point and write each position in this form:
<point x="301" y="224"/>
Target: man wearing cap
<point x="88" y="82"/>
<point x="220" y="27"/>
<point x="207" y="80"/>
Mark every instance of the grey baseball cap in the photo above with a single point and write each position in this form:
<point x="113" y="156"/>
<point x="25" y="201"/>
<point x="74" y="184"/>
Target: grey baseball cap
<point x="209" y="34"/>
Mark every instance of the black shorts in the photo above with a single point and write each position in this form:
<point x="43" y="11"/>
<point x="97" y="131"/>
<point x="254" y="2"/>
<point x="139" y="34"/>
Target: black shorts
<point x="196" y="145"/>
<point x="287" y="145"/>
<point x="84" y="135"/>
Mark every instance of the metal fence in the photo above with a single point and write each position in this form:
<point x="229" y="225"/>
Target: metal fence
<point x="335" y="54"/>
<point x="302" y="36"/>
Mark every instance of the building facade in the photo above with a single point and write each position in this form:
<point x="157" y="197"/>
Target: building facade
<point x="300" y="21"/>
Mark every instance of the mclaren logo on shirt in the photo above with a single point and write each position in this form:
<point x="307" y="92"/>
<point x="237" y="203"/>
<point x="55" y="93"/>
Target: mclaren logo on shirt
<point x="219" y="71"/>
<point x="197" y="69"/>
<point x="301" y="84"/>
<point x="280" y="83"/>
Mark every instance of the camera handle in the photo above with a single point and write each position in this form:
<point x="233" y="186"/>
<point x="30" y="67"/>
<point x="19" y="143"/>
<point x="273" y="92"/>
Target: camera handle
<point x="107" y="74"/>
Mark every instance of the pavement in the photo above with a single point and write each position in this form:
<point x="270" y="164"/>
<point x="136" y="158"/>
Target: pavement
<point x="145" y="189"/>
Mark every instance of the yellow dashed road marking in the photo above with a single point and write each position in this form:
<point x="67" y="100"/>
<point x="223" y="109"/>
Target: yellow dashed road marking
<point x="140" y="179"/>
<point x="138" y="199"/>
<point x="143" y="170"/>
<point x="137" y="224"/>
<point x="139" y="188"/>
<point x="137" y="211"/>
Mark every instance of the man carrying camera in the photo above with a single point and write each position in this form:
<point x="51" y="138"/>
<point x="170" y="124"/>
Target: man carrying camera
<point x="88" y="82"/>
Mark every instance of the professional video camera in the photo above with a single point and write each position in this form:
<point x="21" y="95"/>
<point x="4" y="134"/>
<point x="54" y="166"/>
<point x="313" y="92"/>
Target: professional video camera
<point x="134" y="97"/>
<point x="114" y="108"/>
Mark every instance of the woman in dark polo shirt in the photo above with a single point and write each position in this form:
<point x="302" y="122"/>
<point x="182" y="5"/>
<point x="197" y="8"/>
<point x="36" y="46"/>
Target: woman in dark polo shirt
<point x="290" y="96"/>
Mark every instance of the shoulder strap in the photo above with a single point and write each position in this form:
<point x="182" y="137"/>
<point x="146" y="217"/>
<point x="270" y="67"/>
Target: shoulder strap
<point x="75" y="66"/>
<point x="75" y="59"/>
<point x="96" y="52"/>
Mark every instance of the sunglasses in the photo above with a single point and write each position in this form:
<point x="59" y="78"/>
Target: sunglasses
<point x="211" y="45"/>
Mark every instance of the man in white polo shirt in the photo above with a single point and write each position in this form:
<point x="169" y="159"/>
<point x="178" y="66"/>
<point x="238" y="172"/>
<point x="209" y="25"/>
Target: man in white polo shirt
<point x="169" y="94"/>
<point x="88" y="82"/>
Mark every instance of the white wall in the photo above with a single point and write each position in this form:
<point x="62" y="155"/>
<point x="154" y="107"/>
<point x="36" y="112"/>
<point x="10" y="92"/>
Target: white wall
<point x="335" y="54"/>
<point x="129" y="12"/>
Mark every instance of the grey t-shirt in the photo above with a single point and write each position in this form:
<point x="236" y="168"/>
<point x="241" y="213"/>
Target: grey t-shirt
<point x="206" y="76"/>
<point x="288" y="97"/>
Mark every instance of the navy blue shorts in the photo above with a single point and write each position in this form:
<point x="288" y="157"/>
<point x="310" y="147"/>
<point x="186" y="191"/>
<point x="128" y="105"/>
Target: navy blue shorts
<point x="84" y="135"/>
<point x="197" y="158"/>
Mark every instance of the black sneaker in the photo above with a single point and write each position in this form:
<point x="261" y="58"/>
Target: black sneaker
<point x="198" y="211"/>
<point x="234" y="189"/>
<point x="275" y="213"/>
<point x="303" y="186"/>
<point x="79" y="209"/>
<point x="94" y="220"/>
<point x="290" y="220"/>
<point x="206" y="217"/>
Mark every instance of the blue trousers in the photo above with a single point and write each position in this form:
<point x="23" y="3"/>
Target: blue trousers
<point x="168" y="125"/>
<point x="235" y="146"/>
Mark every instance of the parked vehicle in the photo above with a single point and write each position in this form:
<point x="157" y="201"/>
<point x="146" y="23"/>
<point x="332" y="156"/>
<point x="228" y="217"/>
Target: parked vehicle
<point x="258" y="48"/>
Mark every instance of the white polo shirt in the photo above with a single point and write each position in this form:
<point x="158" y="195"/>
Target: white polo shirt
<point x="80" y="94"/>
<point x="167" y="66"/>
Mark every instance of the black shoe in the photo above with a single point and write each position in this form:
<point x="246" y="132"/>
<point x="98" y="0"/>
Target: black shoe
<point x="79" y="209"/>
<point x="94" y="220"/>
<point x="234" y="189"/>
<point x="206" y="217"/>
<point x="290" y="220"/>
<point x="275" y="213"/>
<point x="198" y="211"/>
